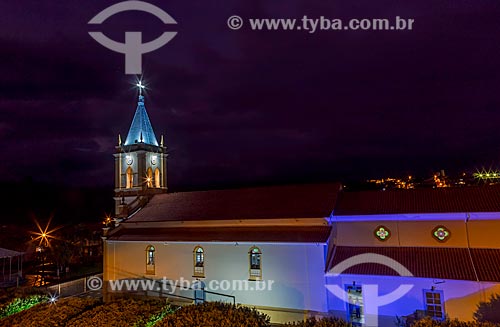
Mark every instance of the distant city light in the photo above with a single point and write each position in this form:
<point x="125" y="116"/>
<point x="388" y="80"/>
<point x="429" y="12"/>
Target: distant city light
<point x="396" y="182"/>
<point x="487" y="175"/>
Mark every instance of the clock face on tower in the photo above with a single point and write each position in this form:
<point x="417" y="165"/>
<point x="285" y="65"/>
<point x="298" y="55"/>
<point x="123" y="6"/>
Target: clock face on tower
<point x="129" y="160"/>
<point x="153" y="160"/>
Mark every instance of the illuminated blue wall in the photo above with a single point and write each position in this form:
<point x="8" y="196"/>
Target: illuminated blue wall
<point x="461" y="297"/>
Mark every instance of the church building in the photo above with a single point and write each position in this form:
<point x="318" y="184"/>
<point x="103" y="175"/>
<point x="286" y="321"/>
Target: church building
<point x="278" y="248"/>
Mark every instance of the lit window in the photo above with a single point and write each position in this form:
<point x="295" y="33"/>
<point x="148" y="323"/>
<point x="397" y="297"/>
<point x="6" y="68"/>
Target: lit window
<point x="130" y="178"/>
<point x="255" y="263"/>
<point x="149" y="178"/>
<point x="157" y="178"/>
<point x="434" y="306"/>
<point x="150" y="260"/>
<point x="199" y="262"/>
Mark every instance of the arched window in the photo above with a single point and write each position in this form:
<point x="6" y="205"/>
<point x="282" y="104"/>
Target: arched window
<point x="130" y="178"/>
<point x="255" y="256"/>
<point x="149" y="177"/>
<point x="157" y="178"/>
<point x="150" y="260"/>
<point x="199" y="262"/>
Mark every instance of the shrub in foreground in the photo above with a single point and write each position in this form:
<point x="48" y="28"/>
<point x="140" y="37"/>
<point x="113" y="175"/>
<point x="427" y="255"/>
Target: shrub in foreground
<point x="86" y="312"/>
<point x="216" y="314"/>
<point x="119" y="313"/>
<point x="427" y="322"/>
<point x="324" y="322"/>
<point x="489" y="311"/>
<point x="20" y="304"/>
<point x="49" y="314"/>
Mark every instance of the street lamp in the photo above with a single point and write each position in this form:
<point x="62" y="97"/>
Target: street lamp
<point x="41" y="258"/>
<point x="43" y="235"/>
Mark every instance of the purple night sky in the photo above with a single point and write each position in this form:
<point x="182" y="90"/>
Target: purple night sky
<point x="241" y="107"/>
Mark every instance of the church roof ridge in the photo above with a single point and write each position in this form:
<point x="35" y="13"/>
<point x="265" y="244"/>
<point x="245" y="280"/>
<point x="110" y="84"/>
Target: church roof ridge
<point x="265" y="202"/>
<point x="257" y="187"/>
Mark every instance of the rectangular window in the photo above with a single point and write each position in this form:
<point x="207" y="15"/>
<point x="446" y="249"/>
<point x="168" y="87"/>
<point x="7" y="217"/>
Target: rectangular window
<point x="199" y="262"/>
<point x="255" y="263"/>
<point x="150" y="260"/>
<point x="355" y="306"/>
<point x="434" y="305"/>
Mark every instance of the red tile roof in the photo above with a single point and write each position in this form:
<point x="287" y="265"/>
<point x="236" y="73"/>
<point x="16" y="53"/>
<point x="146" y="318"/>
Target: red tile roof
<point x="440" y="200"/>
<point x="487" y="263"/>
<point x="438" y="263"/>
<point x="286" y="234"/>
<point x="293" y="201"/>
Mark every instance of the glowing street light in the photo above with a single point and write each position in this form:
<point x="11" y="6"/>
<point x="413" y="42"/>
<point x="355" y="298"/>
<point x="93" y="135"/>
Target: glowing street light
<point x="53" y="298"/>
<point x="107" y="220"/>
<point x="43" y="235"/>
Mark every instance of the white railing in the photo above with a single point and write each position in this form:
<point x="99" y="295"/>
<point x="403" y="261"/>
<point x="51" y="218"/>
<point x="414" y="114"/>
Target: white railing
<point x="71" y="288"/>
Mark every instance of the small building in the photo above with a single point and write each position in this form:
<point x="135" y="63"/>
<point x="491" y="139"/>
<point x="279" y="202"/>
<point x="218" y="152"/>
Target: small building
<point x="12" y="267"/>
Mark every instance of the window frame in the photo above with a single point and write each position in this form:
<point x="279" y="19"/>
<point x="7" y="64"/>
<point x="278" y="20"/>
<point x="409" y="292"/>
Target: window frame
<point x="427" y="304"/>
<point x="129" y="178"/>
<point x="199" y="269"/>
<point x="149" y="178"/>
<point x="157" y="178"/>
<point x="254" y="274"/>
<point x="150" y="264"/>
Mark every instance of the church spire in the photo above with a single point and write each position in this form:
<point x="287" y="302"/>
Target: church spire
<point x="140" y="163"/>
<point x="141" y="130"/>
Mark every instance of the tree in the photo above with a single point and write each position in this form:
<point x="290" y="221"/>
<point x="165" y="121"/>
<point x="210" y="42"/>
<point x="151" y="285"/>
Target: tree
<point x="489" y="311"/>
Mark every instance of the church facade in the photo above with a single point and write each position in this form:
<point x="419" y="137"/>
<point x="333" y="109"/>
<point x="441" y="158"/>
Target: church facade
<point x="277" y="248"/>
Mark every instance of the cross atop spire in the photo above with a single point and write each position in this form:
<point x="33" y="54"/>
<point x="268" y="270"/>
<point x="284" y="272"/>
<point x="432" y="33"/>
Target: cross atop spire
<point x="140" y="86"/>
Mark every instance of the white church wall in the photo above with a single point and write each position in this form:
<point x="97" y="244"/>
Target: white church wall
<point x="461" y="297"/>
<point x="297" y="270"/>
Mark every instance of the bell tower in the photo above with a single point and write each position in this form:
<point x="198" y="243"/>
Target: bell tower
<point x="140" y="164"/>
